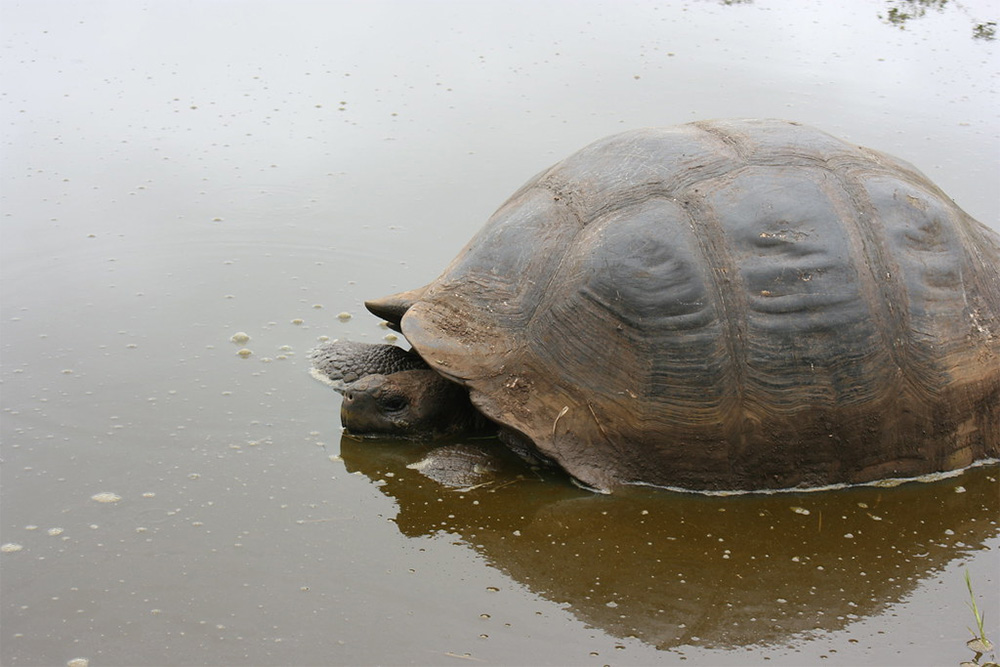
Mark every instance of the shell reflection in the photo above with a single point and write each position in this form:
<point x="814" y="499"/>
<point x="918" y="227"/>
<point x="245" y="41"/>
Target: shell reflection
<point x="682" y="569"/>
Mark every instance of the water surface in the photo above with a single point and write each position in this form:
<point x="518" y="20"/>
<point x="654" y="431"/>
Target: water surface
<point x="176" y="172"/>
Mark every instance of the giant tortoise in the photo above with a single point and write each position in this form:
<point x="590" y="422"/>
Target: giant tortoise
<point x="736" y="304"/>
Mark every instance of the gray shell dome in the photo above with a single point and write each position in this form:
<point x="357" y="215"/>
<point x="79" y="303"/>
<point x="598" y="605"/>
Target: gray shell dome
<point x="726" y="305"/>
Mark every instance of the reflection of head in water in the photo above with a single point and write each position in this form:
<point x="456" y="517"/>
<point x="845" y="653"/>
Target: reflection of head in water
<point x="668" y="568"/>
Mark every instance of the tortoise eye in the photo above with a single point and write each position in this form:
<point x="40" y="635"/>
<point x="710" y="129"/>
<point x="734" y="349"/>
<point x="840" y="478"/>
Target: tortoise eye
<point x="393" y="403"/>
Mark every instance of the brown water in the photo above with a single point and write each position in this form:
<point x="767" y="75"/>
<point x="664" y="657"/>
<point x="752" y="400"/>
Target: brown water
<point x="176" y="172"/>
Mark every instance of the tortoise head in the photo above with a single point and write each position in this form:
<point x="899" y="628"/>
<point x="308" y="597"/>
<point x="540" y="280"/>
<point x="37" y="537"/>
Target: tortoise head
<point x="413" y="404"/>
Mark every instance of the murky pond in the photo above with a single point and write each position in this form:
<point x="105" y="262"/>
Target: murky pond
<point x="174" y="173"/>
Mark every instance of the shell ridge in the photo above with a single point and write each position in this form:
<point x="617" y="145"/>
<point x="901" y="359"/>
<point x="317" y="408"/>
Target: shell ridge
<point x="881" y="283"/>
<point x="727" y="288"/>
<point x="554" y="271"/>
<point x="734" y="141"/>
<point x="980" y="241"/>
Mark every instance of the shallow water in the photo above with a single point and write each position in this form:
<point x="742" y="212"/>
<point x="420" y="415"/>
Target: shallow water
<point x="177" y="172"/>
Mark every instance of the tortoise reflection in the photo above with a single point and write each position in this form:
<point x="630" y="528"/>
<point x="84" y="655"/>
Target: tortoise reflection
<point x="677" y="569"/>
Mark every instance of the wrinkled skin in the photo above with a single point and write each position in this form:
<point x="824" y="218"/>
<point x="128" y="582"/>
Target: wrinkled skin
<point x="413" y="404"/>
<point x="391" y="393"/>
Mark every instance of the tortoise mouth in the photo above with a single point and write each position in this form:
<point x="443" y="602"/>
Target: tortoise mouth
<point x="360" y="412"/>
<point x="364" y="423"/>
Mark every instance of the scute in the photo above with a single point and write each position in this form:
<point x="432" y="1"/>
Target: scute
<point x="727" y="305"/>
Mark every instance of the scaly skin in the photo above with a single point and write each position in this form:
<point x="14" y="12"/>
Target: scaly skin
<point x="391" y="393"/>
<point x="345" y="362"/>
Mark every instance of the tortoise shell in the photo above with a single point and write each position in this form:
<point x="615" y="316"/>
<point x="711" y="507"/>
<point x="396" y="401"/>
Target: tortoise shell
<point x="726" y="305"/>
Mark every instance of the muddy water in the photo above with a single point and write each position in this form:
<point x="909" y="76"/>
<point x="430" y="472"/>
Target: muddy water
<point x="176" y="172"/>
